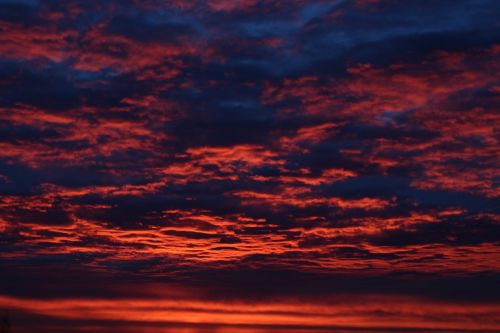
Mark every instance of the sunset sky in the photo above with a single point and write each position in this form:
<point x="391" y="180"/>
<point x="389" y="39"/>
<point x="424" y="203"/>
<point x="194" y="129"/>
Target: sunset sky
<point x="250" y="166"/>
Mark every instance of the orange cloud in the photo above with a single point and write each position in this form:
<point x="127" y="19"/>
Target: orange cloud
<point x="362" y="313"/>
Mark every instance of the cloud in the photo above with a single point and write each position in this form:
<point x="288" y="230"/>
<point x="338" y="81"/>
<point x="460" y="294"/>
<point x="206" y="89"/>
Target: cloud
<point x="281" y="150"/>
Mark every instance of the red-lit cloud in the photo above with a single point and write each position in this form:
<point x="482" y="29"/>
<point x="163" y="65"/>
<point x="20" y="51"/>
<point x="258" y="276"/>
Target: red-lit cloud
<point x="278" y="149"/>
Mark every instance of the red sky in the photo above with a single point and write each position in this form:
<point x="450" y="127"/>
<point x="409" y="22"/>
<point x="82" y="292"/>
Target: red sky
<point x="249" y="166"/>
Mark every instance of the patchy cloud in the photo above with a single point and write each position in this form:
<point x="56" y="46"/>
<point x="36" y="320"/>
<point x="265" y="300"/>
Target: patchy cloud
<point x="300" y="144"/>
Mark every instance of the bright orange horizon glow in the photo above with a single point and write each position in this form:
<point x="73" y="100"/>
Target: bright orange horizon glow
<point x="367" y="312"/>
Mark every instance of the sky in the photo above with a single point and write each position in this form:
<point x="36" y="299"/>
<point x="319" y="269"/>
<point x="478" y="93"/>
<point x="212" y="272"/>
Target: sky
<point x="250" y="166"/>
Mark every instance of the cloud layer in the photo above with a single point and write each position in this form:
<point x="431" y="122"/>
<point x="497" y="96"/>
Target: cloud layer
<point x="258" y="141"/>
